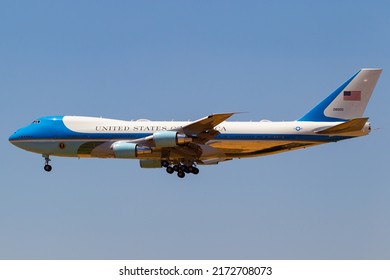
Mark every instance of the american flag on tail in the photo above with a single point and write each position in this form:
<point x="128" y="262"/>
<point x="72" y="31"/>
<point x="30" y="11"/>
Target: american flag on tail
<point x="352" y="95"/>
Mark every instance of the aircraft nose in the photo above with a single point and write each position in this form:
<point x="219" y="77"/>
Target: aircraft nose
<point x="20" y="134"/>
<point x="14" y="137"/>
<point x="20" y="139"/>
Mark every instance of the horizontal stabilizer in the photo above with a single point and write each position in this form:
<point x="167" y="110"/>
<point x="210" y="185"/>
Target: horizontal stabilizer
<point x="349" y="126"/>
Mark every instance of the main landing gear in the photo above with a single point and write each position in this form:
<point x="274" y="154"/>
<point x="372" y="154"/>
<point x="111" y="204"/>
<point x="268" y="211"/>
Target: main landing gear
<point x="47" y="166"/>
<point x="180" y="168"/>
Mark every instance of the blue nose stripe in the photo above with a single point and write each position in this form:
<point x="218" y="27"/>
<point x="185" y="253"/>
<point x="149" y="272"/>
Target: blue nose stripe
<point x="46" y="127"/>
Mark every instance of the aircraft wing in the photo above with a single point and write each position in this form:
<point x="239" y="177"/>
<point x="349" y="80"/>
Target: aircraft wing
<point x="200" y="131"/>
<point x="203" y="130"/>
<point x="206" y="123"/>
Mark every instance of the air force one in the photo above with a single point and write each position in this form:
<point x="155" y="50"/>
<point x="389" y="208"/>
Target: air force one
<point x="182" y="146"/>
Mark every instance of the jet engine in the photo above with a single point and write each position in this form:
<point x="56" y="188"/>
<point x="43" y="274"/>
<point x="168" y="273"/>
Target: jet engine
<point x="129" y="150"/>
<point x="165" y="139"/>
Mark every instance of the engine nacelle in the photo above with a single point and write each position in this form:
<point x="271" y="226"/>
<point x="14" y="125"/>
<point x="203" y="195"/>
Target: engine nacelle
<point x="165" y="139"/>
<point x="129" y="150"/>
<point x="150" y="163"/>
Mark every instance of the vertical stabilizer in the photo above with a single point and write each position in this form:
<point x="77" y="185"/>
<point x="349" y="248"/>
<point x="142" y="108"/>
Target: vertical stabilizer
<point x="348" y="101"/>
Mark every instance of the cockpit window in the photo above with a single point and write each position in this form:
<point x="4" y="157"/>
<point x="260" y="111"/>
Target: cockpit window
<point x="36" y="121"/>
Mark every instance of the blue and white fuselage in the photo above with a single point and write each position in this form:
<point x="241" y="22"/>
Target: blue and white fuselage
<point x="75" y="136"/>
<point x="179" y="146"/>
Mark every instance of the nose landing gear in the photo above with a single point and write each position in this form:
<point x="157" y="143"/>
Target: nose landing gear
<point x="47" y="166"/>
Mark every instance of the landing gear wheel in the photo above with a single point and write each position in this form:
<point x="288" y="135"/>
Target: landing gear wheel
<point x="181" y="174"/>
<point x="195" y="170"/>
<point x="47" y="167"/>
<point x="165" y="163"/>
<point x="170" y="170"/>
<point x="176" y="167"/>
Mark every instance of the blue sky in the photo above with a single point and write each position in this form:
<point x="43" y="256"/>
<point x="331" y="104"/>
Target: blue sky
<point x="182" y="60"/>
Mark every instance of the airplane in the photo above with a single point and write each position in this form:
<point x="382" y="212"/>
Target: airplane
<point x="180" y="146"/>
